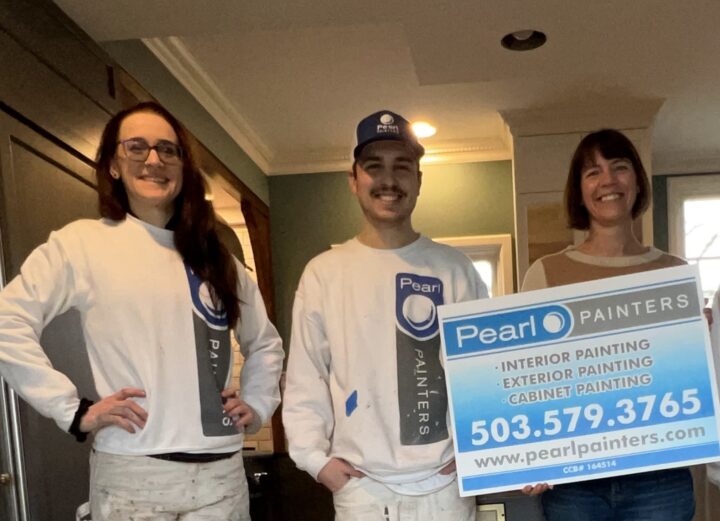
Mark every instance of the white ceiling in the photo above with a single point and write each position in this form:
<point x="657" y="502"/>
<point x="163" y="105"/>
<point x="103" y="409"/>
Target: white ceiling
<point x="289" y="80"/>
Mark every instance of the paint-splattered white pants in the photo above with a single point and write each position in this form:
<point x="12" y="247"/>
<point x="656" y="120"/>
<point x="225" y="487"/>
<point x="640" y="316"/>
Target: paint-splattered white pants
<point x="140" y="488"/>
<point x="365" y="499"/>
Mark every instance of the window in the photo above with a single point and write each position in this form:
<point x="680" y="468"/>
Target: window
<point x="702" y="245"/>
<point x="694" y="225"/>
<point x="492" y="257"/>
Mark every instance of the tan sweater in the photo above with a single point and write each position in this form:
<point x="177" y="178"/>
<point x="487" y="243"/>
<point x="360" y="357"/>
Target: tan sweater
<point x="570" y="266"/>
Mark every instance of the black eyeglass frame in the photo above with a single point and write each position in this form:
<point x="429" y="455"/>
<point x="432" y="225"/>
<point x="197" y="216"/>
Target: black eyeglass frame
<point x="173" y="160"/>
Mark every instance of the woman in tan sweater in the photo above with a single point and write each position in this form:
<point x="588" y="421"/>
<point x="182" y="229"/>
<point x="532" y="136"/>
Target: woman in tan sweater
<point x="606" y="190"/>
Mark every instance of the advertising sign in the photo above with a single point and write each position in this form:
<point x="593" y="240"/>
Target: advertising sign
<point x="579" y="382"/>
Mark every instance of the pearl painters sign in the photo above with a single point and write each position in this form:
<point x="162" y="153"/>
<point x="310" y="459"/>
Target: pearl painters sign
<point x="580" y="382"/>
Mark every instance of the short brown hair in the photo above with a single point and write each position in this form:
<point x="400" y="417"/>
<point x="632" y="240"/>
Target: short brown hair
<point x="611" y="144"/>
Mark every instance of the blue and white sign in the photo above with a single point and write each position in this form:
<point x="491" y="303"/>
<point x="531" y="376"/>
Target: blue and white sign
<point x="581" y="381"/>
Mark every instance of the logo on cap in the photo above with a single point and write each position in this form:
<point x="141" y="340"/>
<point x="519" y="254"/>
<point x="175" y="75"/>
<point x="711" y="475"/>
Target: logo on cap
<point x="387" y="125"/>
<point x="382" y="125"/>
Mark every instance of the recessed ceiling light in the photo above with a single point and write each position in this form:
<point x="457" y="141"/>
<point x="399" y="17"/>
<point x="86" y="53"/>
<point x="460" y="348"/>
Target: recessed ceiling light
<point x="526" y="40"/>
<point x="423" y="129"/>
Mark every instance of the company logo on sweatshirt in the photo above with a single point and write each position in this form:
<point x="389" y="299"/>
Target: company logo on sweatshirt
<point x="214" y="358"/>
<point x="422" y="395"/>
<point x="203" y="304"/>
<point x="417" y="298"/>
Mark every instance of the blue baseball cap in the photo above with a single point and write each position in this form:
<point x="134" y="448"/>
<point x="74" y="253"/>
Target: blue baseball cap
<point x="386" y="125"/>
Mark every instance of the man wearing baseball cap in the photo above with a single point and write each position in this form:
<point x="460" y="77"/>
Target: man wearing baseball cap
<point x="365" y="406"/>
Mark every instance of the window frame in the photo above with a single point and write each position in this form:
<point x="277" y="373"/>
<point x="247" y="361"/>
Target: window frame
<point x="679" y="190"/>
<point x="496" y="248"/>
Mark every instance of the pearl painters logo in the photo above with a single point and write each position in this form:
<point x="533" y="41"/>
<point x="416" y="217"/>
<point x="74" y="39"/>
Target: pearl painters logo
<point x="509" y="329"/>
<point x="595" y="314"/>
<point x="419" y="311"/>
<point x="213" y="357"/>
<point x="203" y="305"/>
<point x="387" y="125"/>
<point x="416" y="306"/>
<point x="208" y="306"/>
<point x="422" y="395"/>
<point x="554" y="322"/>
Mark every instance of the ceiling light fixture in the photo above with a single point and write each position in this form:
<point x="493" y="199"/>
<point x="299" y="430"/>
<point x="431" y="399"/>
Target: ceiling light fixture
<point x="423" y="129"/>
<point x="526" y="40"/>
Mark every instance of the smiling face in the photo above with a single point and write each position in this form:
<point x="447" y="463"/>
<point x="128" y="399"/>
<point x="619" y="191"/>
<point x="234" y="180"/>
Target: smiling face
<point x="609" y="189"/>
<point x="386" y="182"/>
<point x="151" y="185"/>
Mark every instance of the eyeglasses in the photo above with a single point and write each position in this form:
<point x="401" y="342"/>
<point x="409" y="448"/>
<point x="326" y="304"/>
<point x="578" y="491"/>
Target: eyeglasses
<point x="137" y="149"/>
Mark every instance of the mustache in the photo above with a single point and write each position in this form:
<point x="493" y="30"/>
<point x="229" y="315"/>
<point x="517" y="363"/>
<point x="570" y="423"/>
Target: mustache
<point x="387" y="190"/>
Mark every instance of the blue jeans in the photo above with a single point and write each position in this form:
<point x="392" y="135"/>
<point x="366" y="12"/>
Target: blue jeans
<point x="664" y="495"/>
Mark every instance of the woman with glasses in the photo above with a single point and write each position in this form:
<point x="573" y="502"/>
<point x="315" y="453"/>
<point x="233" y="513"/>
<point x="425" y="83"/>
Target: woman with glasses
<point x="606" y="190"/>
<point x="159" y="296"/>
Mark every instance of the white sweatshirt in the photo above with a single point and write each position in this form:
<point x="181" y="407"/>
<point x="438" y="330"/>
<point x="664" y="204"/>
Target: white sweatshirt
<point x="364" y="378"/>
<point x="147" y="323"/>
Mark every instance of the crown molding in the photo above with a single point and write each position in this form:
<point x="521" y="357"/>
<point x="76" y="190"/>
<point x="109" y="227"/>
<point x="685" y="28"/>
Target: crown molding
<point x="459" y="151"/>
<point x="468" y="151"/>
<point x="181" y="63"/>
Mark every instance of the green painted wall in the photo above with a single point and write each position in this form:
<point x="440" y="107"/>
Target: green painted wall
<point x="309" y="212"/>
<point x="142" y="65"/>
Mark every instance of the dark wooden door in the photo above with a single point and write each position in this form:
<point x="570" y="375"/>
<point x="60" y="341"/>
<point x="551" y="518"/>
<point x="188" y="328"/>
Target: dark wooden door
<point x="44" y="184"/>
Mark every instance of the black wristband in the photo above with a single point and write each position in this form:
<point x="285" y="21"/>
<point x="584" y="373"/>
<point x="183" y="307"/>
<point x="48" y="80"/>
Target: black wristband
<point x="75" y="425"/>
